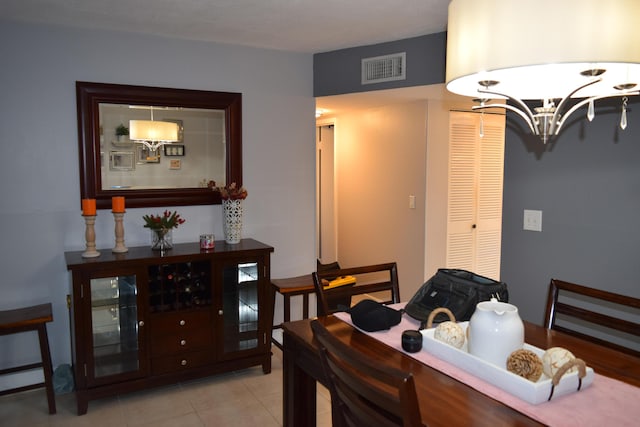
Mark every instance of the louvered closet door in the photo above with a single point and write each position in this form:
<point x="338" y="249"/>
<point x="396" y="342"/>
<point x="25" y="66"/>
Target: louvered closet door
<point x="474" y="226"/>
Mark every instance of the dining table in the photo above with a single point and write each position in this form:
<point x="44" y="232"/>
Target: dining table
<point x="449" y="398"/>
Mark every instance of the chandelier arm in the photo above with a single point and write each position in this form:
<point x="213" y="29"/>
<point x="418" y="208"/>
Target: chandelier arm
<point x="519" y="112"/>
<point x="586" y="101"/>
<point x="525" y="108"/>
<point x="151" y="146"/>
<point x="556" y="120"/>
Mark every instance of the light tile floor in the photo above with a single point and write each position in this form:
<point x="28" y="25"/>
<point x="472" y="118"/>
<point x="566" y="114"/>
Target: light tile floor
<point x="237" y="399"/>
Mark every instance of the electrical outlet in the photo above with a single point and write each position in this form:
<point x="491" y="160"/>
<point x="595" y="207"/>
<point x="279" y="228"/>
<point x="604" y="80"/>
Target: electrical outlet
<point x="532" y="220"/>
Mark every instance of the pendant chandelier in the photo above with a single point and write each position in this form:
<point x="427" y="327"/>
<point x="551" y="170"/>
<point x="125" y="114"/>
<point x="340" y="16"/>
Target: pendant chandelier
<point x="565" y="54"/>
<point x="151" y="133"/>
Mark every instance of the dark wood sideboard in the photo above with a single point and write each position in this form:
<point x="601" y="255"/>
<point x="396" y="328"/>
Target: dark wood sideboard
<point x="144" y="318"/>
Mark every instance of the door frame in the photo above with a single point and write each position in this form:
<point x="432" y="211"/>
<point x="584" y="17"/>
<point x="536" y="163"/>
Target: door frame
<point x="332" y="242"/>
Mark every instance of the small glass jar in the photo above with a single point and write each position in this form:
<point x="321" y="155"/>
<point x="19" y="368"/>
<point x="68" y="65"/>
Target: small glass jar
<point x="207" y="241"/>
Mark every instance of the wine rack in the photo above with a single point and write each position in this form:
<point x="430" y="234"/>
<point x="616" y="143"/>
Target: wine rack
<point x="180" y="286"/>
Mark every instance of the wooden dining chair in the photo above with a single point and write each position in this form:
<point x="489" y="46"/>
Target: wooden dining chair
<point x="587" y="309"/>
<point x="381" y="279"/>
<point x="363" y="392"/>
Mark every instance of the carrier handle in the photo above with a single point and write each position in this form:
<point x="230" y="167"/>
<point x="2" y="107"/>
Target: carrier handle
<point x="437" y="311"/>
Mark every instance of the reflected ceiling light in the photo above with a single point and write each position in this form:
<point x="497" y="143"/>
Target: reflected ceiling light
<point x="565" y="53"/>
<point x="319" y="112"/>
<point x="152" y="133"/>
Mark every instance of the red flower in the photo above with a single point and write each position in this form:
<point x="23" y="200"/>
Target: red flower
<point x="167" y="221"/>
<point x="230" y="191"/>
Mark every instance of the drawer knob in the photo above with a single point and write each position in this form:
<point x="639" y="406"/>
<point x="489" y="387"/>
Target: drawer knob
<point x="184" y="362"/>
<point x="182" y="323"/>
<point x="220" y="312"/>
<point x="183" y="342"/>
<point x="141" y="323"/>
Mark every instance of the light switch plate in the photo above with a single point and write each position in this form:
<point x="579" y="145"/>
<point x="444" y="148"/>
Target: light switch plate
<point x="532" y="220"/>
<point x="412" y="202"/>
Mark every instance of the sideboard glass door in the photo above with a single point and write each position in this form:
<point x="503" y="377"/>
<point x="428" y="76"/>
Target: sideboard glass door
<point x="240" y="307"/>
<point x="114" y="326"/>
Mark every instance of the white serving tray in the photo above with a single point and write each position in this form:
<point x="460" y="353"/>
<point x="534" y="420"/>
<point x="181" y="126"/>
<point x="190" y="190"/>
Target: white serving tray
<point x="526" y="390"/>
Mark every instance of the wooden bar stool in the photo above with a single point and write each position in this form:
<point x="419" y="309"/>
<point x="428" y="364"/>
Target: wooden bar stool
<point x="25" y="319"/>
<point x="289" y="287"/>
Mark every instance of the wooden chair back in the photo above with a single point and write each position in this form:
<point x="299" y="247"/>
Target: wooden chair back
<point x="379" y="278"/>
<point x="592" y="309"/>
<point x="364" y="393"/>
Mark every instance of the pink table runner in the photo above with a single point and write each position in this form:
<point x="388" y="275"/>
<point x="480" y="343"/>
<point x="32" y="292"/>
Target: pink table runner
<point x="607" y="402"/>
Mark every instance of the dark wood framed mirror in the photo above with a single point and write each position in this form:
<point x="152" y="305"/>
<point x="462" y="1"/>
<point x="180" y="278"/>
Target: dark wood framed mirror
<point x="209" y="144"/>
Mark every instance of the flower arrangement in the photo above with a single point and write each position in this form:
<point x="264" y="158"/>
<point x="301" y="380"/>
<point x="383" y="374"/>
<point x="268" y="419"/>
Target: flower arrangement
<point x="167" y="221"/>
<point x="229" y="192"/>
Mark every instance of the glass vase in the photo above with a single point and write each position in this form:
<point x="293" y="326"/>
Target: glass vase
<point x="161" y="239"/>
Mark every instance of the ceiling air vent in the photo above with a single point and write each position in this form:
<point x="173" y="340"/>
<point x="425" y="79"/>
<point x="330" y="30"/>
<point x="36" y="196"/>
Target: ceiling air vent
<point x="384" y="68"/>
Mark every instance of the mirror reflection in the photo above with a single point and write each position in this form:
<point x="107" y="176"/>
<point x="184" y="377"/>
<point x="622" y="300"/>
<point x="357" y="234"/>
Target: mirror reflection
<point x="157" y="146"/>
<point x="197" y="155"/>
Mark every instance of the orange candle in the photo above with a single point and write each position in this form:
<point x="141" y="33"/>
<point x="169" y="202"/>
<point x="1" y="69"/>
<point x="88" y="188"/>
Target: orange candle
<point x="89" y="207"/>
<point x="117" y="204"/>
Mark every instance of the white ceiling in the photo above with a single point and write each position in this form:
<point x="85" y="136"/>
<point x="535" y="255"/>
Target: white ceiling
<point x="303" y="26"/>
<point x="308" y="26"/>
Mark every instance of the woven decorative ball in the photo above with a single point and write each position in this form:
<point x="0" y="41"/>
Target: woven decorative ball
<point x="450" y="333"/>
<point x="554" y="358"/>
<point x="525" y="363"/>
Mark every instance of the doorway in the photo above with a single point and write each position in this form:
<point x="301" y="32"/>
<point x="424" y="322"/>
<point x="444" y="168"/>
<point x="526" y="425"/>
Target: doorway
<point x="326" y="229"/>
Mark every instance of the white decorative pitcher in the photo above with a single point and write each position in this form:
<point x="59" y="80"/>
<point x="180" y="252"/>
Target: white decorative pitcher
<point x="232" y="210"/>
<point x="496" y="330"/>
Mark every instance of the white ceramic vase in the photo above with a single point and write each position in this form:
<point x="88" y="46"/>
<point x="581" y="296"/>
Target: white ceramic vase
<point x="496" y="330"/>
<point x="232" y="211"/>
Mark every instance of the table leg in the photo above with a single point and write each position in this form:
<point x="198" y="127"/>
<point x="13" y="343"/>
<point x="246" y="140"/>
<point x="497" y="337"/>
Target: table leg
<point x="299" y="389"/>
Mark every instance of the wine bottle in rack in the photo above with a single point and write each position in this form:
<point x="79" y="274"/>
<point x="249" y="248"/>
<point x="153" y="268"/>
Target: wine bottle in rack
<point x="155" y="289"/>
<point x="169" y="294"/>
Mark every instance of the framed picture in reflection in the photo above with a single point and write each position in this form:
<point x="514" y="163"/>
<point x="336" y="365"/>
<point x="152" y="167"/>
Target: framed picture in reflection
<point x="145" y="155"/>
<point x="121" y="161"/>
<point x="174" y="150"/>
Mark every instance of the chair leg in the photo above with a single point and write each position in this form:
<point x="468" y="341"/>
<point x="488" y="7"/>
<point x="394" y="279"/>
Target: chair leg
<point x="47" y="367"/>
<point x="287" y="308"/>
<point x="305" y="306"/>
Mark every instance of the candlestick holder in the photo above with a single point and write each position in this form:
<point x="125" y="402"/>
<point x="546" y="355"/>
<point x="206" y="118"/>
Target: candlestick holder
<point x="119" y="230"/>
<point x="90" y="237"/>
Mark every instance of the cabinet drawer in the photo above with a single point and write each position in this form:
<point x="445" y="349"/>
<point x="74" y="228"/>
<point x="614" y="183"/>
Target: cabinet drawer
<point x="164" y="323"/>
<point x="186" y="340"/>
<point x="176" y="363"/>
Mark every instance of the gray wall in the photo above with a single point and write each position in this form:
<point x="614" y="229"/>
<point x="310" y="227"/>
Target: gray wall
<point x="339" y="71"/>
<point x="587" y="184"/>
<point x="39" y="178"/>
